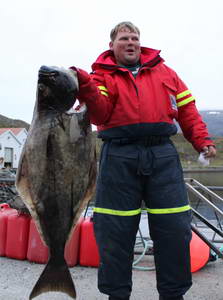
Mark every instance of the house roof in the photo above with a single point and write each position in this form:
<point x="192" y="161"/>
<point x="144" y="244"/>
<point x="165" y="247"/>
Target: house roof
<point x="15" y="131"/>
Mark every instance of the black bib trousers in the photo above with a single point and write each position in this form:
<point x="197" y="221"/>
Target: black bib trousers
<point x="129" y="172"/>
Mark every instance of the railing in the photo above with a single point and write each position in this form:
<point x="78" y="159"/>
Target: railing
<point x="208" y="227"/>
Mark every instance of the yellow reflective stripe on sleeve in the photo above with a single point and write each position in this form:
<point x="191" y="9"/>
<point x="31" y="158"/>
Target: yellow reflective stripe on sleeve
<point x="124" y="213"/>
<point x="183" y="94"/>
<point x="173" y="210"/>
<point x="183" y="102"/>
<point x="104" y="93"/>
<point x="102" y="88"/>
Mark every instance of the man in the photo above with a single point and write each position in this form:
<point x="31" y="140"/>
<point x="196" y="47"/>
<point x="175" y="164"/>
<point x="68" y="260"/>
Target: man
<point x="133" y="97"/>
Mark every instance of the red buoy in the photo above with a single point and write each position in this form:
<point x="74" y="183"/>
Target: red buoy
<point x="89" y="255"/>
<point x="199" y="253"/>
<point x="5" y="211"/>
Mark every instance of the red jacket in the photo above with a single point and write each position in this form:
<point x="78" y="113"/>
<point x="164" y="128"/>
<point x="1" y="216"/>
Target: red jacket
<point x="124" y="106"/>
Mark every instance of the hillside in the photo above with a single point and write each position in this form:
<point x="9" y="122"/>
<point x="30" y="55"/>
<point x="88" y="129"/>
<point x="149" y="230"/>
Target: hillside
<point x="189" y="156"/>
<point x="214" y="121"/>
<point x="11" y="123"/>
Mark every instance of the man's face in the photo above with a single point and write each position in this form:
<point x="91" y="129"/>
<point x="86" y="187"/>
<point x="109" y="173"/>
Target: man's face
<point x="126" y="47"/>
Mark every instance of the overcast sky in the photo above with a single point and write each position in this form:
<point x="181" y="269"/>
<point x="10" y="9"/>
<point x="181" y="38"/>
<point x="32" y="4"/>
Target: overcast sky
<point x="72" y="32"/>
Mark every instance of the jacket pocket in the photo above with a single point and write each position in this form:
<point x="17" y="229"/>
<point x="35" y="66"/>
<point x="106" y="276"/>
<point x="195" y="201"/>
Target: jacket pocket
<point x="125" y="151"/>
<point x="165" y="150"/>
<point x="167" y="162"/>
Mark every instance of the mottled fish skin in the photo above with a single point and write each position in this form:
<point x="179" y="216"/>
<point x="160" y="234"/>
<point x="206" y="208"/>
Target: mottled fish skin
<point x="57" y="171"/>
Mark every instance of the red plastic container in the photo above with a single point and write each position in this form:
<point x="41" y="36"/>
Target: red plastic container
<point x="199" y="253"/>
<point x="71" y="252"/>
<point x="5" y="211"/>
<point x="89" y="255"/>
<point x="17" y="236"/>
<point x="38" y="252"/>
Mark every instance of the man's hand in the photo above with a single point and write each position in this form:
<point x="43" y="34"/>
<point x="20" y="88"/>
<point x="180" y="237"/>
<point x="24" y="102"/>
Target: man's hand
<point x="209" y="151"/>
<point x="83" y="76"/>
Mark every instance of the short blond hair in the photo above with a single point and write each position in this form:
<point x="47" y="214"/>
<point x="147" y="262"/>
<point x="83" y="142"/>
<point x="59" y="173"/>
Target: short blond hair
<point x="121" y="25"/>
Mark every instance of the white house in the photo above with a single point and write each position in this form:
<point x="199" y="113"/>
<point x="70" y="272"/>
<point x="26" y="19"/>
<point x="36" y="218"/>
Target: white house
<point x="11" y="144"/>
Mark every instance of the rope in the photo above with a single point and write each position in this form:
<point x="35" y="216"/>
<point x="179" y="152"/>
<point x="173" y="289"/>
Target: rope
<point x="146" y="245"/>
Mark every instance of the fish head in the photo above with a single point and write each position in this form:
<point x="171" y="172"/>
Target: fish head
<point x="57" y="89"/>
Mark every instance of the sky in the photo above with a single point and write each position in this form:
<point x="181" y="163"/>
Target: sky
<point x="67" y="33"/>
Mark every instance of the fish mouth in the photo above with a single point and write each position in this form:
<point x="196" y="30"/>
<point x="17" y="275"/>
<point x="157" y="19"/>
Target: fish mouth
<point x="48" y="71"/>
<point x="47" y="74"/>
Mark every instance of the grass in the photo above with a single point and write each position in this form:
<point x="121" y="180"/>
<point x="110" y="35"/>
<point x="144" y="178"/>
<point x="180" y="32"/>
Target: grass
<point x="189" y="156"/>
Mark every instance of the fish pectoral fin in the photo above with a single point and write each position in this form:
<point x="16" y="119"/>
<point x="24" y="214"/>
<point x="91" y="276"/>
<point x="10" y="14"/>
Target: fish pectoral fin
<point x="54" y="278"/>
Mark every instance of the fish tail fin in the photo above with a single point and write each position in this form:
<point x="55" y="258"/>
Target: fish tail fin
<point x="55" y="277"/>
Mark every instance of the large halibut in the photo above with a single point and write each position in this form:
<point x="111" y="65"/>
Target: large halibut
<point x="57" y="171"/>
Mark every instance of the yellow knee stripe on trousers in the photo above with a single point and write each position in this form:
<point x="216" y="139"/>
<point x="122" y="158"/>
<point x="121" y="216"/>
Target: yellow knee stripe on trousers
<point x="124" y="213"/>
<point x="134" y="212"/>
<point x="173" y="210"/>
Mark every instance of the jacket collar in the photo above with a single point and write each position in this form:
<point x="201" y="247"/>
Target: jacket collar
<point x="149" y="57"/>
